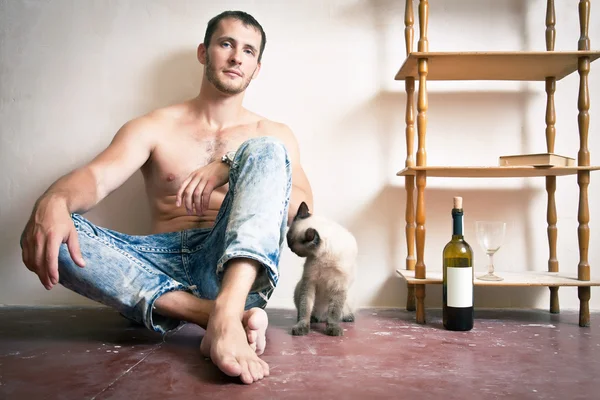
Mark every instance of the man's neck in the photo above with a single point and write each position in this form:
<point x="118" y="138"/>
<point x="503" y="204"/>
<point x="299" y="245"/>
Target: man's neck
<point x="218" y="110"/>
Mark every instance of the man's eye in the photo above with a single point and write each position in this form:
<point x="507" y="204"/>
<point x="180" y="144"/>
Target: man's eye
<point x="226" y="44"/>
<point x="250" y="52"/>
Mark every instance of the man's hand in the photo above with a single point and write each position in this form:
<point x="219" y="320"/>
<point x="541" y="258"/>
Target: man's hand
<point x="49" y="226"/>
<point x="195" y="191"/>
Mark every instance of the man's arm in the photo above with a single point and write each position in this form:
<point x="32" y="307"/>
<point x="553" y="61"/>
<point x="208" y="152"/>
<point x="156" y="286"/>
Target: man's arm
<point x="301" y="189"/>
<point x="50" y="223"/>
<point x="86" y="186"/>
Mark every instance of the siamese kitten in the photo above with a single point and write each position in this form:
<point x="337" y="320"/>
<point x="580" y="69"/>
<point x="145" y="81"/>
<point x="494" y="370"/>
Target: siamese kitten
<point x="322" y="292"/>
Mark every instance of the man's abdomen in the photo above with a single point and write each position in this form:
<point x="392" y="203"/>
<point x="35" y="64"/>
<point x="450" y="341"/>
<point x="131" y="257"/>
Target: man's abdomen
<point x="167" y="217"/>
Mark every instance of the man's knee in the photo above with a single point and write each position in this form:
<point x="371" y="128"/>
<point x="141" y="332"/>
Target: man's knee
<point x="264" y="148"/>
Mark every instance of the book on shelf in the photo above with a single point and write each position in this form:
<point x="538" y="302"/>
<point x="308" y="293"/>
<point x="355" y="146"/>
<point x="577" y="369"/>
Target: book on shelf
<point x="536" y="160"/>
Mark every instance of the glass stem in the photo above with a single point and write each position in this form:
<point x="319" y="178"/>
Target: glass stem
<point x="490" y="263"/>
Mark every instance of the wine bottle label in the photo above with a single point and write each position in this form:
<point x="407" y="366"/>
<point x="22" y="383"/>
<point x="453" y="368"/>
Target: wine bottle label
<point x="459" y="287"/>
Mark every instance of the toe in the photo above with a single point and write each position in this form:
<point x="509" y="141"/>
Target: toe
<point x="255" y="322"/>
<point x="256" y="319"/>
<point x="265" y="367"/>
<point x="252" y="336"/>
<point x="261" y="343"/>
<point x="246" y="376"/>
<point x="256" y="370"/>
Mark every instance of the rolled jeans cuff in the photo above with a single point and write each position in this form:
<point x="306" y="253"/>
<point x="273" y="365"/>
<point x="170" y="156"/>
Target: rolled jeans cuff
<point x="266" y="278"/>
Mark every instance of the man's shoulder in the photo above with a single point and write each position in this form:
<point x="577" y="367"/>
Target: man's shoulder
<point x="273" y="128"/>
<point x="167" y="115"/>
<point x="156" y="120"/>
<point x="280" y="131"/>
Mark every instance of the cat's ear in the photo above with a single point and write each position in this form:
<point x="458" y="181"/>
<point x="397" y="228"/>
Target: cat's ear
<point x="303" y="211"/>
<point x="312" y="238"/>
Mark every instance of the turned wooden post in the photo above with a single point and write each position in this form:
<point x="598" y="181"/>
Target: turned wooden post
<point x="409" y="180"/>
<point x="583" y="159"/>
<point x="550" y="25"/>
<point x="421" y="158"/>
<point x="552" y="239"/>
<point x="551" y="214"/>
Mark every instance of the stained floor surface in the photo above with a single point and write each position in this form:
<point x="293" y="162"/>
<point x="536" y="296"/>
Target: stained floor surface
<point x="93" y="353"/>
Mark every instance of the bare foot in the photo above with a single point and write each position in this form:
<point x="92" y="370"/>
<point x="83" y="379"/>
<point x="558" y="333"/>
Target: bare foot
<point x="226" y="342"/>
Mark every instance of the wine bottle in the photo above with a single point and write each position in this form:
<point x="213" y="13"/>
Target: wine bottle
<point x="458" y="312"/>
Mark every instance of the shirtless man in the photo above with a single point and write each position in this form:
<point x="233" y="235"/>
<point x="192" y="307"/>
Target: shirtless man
<point x="222" y="182"/>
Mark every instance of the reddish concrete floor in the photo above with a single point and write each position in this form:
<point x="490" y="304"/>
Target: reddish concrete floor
<point x="96" y="354"/>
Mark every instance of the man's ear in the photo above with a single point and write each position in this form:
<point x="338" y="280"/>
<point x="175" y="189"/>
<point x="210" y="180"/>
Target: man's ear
<point x="256" y="71"/>
<point x="312" y="238"/>
<point x="201" y="54"/>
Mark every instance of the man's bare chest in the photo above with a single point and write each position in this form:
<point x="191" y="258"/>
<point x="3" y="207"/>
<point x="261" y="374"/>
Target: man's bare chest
<point x="177" y="156"/>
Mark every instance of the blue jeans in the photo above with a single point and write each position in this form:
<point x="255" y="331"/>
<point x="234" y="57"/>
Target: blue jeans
<point x="129" y="272"/>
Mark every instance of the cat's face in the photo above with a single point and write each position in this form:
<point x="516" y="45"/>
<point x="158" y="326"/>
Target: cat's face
<point x="302" y="237"/>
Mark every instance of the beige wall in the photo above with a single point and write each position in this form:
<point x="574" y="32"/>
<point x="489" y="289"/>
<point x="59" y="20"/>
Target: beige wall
<point x="72" y="72"/>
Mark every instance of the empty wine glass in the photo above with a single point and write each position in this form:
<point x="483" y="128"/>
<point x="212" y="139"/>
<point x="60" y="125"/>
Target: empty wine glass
<point x="490" y="235"/>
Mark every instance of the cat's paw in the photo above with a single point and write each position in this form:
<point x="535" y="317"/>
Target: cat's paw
<point x="334" y="330"/>
<point x="300" y="329"/>
<point x="348" y="317"/>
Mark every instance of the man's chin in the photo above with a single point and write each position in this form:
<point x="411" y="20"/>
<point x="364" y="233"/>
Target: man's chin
<point x="230" y="90"/>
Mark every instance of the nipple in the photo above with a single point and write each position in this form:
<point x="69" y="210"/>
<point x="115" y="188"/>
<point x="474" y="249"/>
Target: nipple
<point x="170" y="178"/>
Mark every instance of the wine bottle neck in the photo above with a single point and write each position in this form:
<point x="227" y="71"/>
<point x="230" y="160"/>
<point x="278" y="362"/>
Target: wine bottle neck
<point x="457" y="225"/>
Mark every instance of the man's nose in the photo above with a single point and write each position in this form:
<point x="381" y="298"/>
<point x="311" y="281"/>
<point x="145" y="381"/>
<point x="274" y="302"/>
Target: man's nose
<point x="236" y="57"/>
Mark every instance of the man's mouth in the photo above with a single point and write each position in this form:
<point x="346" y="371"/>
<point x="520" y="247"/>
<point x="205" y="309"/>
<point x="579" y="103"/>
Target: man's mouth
<point x="233" y="72"/>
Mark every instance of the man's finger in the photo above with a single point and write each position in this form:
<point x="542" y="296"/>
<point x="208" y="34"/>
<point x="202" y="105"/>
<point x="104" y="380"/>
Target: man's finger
<point x="198" y="197"/>
<point x="74" y="249"/>
<point x="52" y="247"/>
<point x="178" y="199"/>
<point x="43" y="281"/>
<point x="208" y="189"/>
<point x="25" y="255"/>
<point x="188" y="194"/>
<point x="40" y="265"/>
<point x="38" y="257"/>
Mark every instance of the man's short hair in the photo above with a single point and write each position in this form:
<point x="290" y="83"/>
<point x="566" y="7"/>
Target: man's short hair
<point x="245" y="18"/>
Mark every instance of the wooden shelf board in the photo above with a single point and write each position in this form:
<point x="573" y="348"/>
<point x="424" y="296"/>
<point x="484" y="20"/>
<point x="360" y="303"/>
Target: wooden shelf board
<point x="506" y="186"/>
<point x="528" y="278"/>
<point x="494" y="172"/>
<point x="473" y="88"/>
<point x="496" y="66"/>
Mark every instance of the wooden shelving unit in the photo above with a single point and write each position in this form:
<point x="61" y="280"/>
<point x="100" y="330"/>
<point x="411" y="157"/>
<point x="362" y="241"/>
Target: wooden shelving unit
<point x="547" y="66"/>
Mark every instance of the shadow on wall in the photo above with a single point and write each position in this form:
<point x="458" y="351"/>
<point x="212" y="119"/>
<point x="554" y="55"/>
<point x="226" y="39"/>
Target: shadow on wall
<point x="374" y="144"/>
<point x="175" y="78"/>
<point x="376" y="228"/>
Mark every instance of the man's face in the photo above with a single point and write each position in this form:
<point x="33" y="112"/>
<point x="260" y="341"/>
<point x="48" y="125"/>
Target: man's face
<point x="232" y="57"/>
